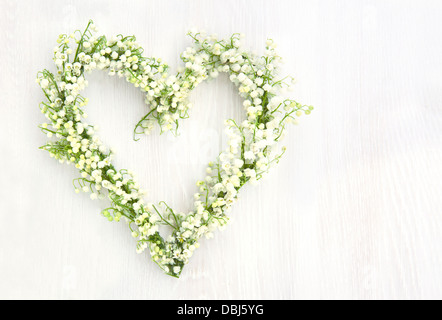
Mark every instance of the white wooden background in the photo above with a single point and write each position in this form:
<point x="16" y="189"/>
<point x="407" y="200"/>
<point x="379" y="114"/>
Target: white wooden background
<point x="352" y="211"/>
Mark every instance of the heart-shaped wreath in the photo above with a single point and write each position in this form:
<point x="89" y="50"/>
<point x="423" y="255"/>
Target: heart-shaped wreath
<point x="251" y="144"/>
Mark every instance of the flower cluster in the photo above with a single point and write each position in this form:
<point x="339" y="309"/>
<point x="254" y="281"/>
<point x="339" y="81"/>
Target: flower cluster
<point x="251" y="149"/>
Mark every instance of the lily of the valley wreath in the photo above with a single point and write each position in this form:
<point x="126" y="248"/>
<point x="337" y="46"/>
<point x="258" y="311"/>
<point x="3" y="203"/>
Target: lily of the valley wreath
<point x="251" y="147"/>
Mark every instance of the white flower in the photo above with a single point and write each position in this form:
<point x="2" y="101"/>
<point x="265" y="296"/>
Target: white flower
<point x="250" y="173"/>
<point x="44" y="83"/>
<point x="249" y="155"/>
<point x="106" y="184"/>
<point x="69" y="99"/>
<point x="238" y="163"/>
<point x="235" y="67"/>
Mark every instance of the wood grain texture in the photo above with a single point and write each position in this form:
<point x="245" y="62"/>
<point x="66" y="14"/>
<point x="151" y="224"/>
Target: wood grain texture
<point x="352" y="211"/>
